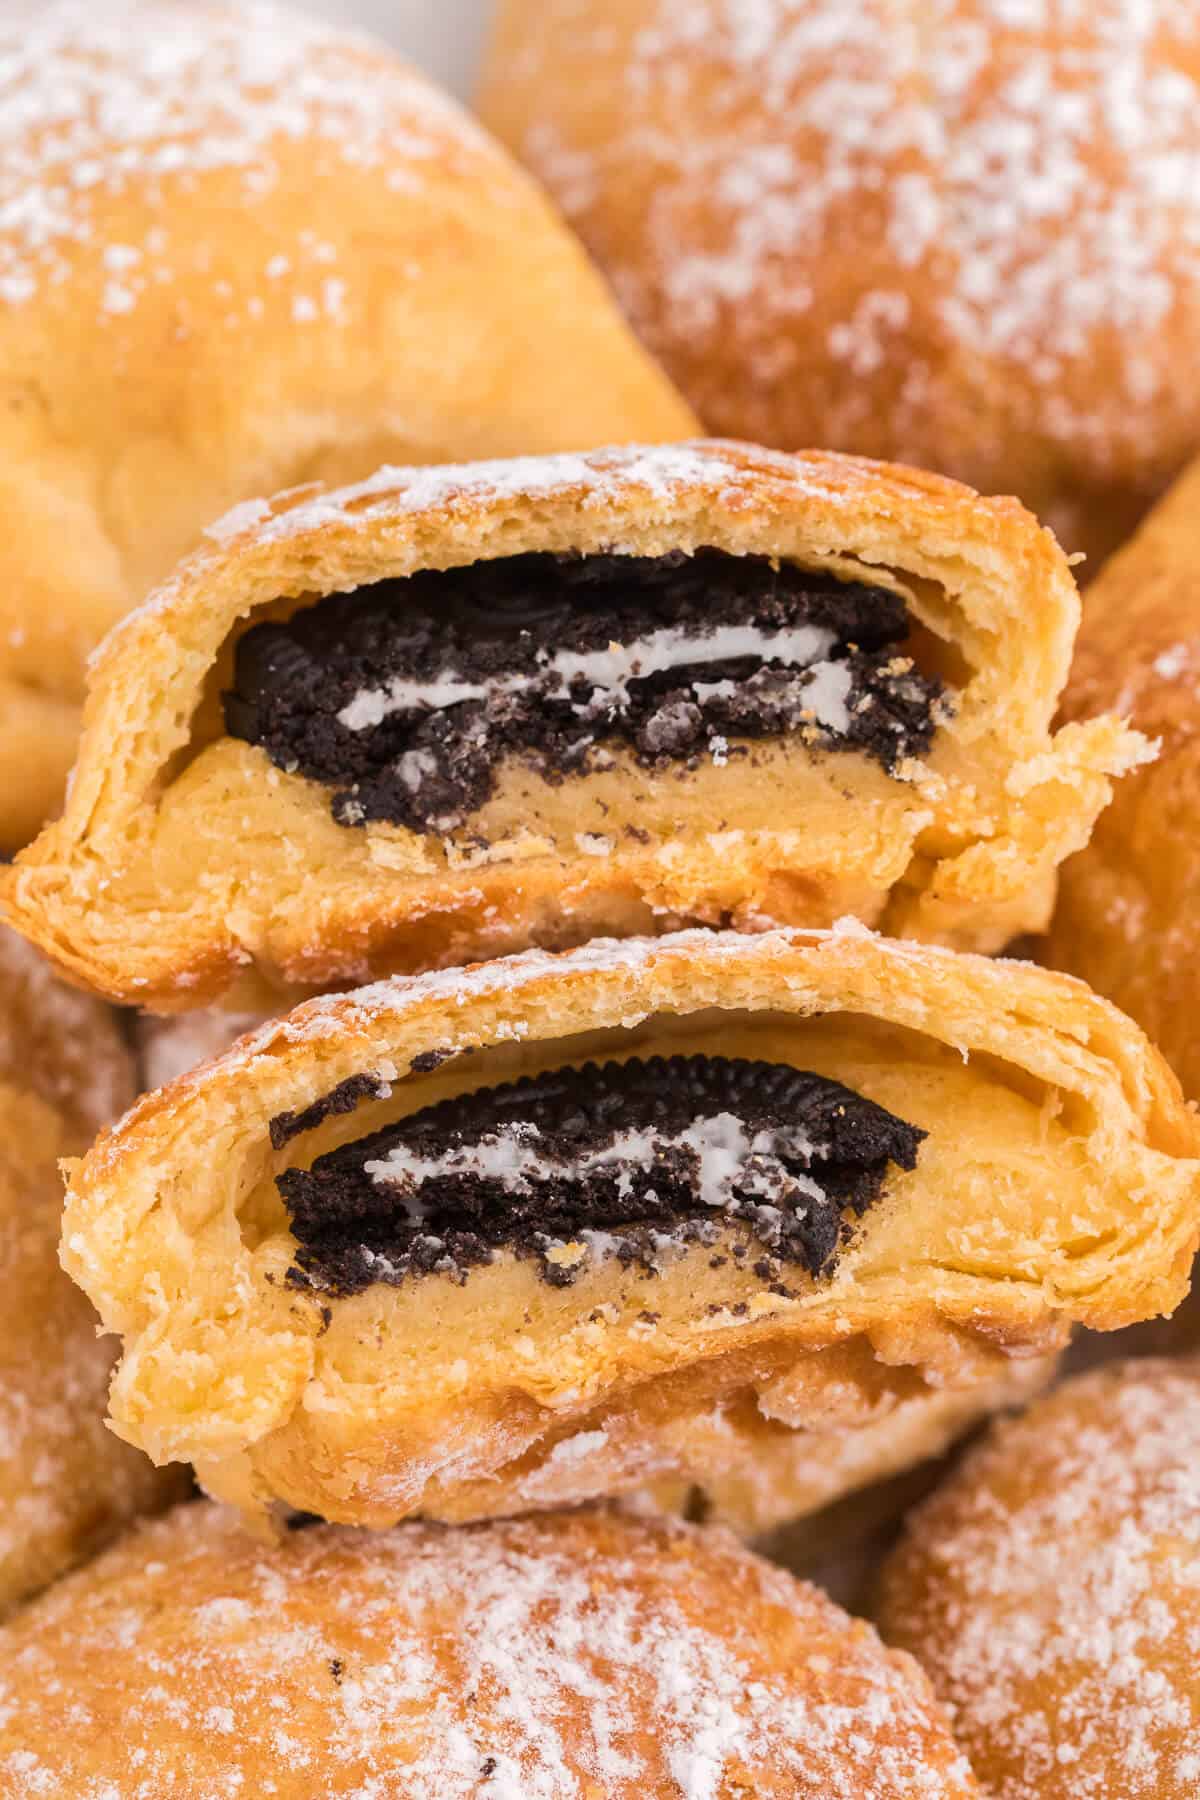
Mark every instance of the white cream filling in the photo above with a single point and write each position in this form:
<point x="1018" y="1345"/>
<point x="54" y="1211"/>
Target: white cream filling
<point x="726" y="1155"/>
<point x="608" y="671"/>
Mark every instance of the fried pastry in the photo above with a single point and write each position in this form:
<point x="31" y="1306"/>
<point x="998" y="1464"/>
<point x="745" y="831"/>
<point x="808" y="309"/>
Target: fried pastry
<point x="734" y="1466"/>
<point x="566" y="1657"/>
<point x="1051" y="1588"/>
<point x="963" y="235"/>
<point x="406" y="1248"/>
<point x="1127" y="917"/>
<point x="449" y="713"/>
<point x="239" y="251"/>
<point x="66" y="1484"/>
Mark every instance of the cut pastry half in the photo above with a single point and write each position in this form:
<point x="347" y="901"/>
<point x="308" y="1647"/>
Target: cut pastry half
<point x="457" y="712"/>
<point x="396" y="1253"/>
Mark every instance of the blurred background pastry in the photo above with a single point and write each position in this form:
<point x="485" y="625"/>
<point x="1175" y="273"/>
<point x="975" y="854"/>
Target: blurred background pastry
<point x="67" y="1485"/>
<point x="576" y="1656"/>
<point x="1128" y="913"/>
<point x="240" y="251"/>
<point x="1051" y="1588"/>
<point x="954" y="232"/>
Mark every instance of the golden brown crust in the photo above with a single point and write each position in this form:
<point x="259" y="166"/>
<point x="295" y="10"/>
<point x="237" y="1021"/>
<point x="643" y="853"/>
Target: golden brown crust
<point x="1127" y="917"/>
<point x="1050" y="1589"/>
<point x="1051" y="1121"/>
<point x="737" y="1468"/>
<point x="67" y="1486"/>
<point x="143" y="891"/>
<point x="962" y="243"/>
<point x="240" y="250"/>
<point x="561" y="1658"/>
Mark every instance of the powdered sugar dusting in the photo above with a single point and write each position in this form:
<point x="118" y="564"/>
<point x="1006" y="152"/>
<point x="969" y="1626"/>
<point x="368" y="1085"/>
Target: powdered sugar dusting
<point x="661" y="470"/>
<point x="148" y="97"/>
<point x="557" y="1659"/>
<point x="1067" y="1633"/>
<point x="890" y="188"/>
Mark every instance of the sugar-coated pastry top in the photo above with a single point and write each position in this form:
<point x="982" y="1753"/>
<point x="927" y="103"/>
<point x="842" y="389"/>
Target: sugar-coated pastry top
<point x="1052" y="1590"/>
<point x="957" y="232"/>
<point x="571" y="1657"/>
<point x="130" y="97"/>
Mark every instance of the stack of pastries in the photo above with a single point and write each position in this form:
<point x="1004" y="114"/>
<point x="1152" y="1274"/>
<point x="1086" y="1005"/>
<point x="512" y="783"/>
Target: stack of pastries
<point x="550" y="874"/>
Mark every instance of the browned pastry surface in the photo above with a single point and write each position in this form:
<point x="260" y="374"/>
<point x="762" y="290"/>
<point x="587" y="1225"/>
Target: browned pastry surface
<point x="1057" y="1182"/>
<point x="576" y="1656"/>
<point x="959" y="233"/>
<point x="209" y="839"/>
<point x="1128" y="919"/>
<point x="1051" y="1588"/>
<point x="67" y="1485"/>
<point x="238" y="251"/>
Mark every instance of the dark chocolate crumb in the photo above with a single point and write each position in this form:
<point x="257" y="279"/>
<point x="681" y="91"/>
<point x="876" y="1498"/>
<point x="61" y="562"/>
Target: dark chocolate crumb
<point x="524" y="1168"/>
<point x="488" y="1768"/>
<point x="490" y="630"/>
<point x="336" y="1669"/>
<point x="429" y="1060"/>
<point x="342" y="1099"/>
<point x="649" y="1318"/>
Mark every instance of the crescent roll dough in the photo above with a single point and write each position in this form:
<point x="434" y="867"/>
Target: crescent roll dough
<point x="239" y="250"/>
<point x="361" y="1266"/>
<point x="565" y="697"/>
<point x="1127" y="917"/>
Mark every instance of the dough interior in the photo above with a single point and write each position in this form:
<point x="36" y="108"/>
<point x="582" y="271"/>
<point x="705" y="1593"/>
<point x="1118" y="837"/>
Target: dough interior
<point x="464" y="1377"/>
<point x="775" y="829"/>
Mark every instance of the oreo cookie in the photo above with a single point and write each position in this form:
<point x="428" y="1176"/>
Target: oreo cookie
<point x="405" y="696"/>
<point x="622" y="1160"/>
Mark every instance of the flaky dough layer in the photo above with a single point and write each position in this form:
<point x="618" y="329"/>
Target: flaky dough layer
<point x="185" y="859"/>
<point x="1059" y="1184"/>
